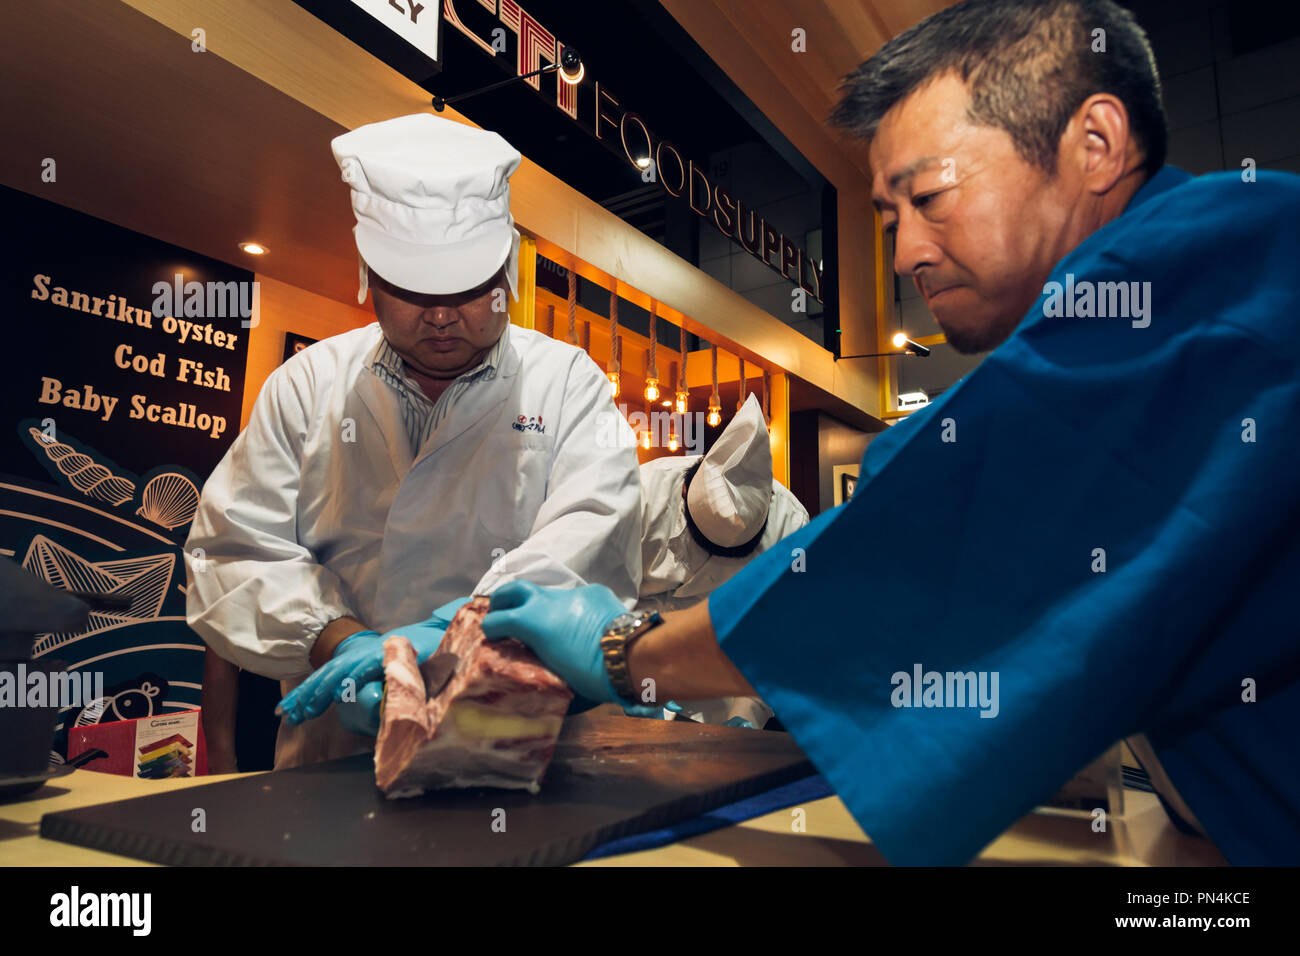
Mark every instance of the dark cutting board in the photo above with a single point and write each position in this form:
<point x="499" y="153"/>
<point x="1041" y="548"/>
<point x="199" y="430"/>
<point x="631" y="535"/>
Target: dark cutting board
<point x="612" y="776"/>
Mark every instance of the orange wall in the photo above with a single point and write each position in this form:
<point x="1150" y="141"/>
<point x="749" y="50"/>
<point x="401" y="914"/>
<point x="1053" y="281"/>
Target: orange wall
<point x="285" y="308"/>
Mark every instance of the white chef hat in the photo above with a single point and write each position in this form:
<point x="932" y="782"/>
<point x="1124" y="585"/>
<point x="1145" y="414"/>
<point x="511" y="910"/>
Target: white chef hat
<point x="432" y="201"/>
<point x="730" y="494"/>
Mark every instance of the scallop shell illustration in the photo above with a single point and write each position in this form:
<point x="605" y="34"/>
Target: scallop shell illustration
<point x="88" y="477"/>
<point x="169" y="500"/>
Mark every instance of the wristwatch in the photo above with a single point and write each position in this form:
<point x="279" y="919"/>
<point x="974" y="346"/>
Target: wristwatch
<point x="619" y="635"/>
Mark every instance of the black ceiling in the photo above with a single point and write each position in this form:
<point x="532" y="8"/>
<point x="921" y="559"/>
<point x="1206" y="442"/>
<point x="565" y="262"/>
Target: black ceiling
<point x="624" y="50"/>
<point x="633" y="48"/>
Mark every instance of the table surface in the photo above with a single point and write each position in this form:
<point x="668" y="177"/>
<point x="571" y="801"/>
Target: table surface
<point x="1142" y="837"/>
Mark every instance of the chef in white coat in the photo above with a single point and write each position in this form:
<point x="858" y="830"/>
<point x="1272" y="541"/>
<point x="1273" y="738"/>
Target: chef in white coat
<point x="703" y="519"/>
<point x="437" y="453"/>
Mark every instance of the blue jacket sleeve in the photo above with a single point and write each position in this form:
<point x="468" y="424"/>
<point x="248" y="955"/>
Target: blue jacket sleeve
<point x="1078" y="535"/>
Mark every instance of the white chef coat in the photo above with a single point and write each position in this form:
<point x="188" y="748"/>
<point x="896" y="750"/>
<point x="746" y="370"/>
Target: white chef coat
<point x="677" y="572"/>
<point x="320" y="510"/>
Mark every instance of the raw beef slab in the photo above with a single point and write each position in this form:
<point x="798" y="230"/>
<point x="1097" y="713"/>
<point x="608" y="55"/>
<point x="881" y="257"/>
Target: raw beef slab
<point x="493" y="724"/>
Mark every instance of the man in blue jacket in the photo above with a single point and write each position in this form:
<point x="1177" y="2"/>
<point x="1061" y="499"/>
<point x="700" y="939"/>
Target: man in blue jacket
<point x="1107" y="508"/>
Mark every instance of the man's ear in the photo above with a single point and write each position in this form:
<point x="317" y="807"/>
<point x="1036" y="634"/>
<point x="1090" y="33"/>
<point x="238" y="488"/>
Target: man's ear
<point x="1105" y="149"/>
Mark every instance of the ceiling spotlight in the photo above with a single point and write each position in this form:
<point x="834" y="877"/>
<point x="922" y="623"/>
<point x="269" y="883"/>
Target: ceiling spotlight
<point x="643" y="162"/>
<point x="254" y="248"/>
<point x="901" y="342"/>
<point x="572" y="69"/>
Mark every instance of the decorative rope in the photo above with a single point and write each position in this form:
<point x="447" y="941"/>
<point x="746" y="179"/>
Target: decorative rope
<point x="573" y="307"/>
<point x="714" y="398"/>
<point x="586" y="337"/>
<point x="767" y="409"/>
<point x="741" y="400"/>
<point x="654" y="341"/>
<point x="614" y="343"/>
<point x="681" y="382"/>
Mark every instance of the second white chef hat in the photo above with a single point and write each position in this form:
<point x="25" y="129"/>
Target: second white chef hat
<point x="730" y="494"/>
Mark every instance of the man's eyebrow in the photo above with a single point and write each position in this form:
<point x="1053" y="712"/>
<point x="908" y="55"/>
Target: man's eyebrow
<point x="911" y="169"/>
<point x="903" y="175"/>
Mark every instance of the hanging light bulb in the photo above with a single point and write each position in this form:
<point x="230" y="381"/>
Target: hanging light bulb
<point x="645" y="440"/>
<point x="615" y="367"/>
<point x="715" y="400"/>
<point x="672" y="440"/>
<point x="680" y="404"/>
<point x="652" y="372"/>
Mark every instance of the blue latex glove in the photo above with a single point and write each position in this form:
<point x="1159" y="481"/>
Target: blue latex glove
<point x="358" y="661"/>
<point x="563" y="627"/>
<point x="651" y="710"/>
<point x="313" y="696"/>
<point x="361" y="716"/>
<point x="643" y="710"/>
<point x="739" y="722"/>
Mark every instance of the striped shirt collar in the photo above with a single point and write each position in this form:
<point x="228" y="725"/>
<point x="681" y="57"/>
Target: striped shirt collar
<point x="384" y="358"/>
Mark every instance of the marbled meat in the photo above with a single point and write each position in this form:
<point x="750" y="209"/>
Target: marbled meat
<point x="477" y="713"/>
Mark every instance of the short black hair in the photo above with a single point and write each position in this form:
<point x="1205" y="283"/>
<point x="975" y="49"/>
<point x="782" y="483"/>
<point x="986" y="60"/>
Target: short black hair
<point x="1029" y="65"/>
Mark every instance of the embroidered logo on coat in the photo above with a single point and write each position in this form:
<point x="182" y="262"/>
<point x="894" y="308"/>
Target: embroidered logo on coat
<point x="527" y="423"/>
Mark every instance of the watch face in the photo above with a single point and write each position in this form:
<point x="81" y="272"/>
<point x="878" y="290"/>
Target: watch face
<point x="624" y="622"/>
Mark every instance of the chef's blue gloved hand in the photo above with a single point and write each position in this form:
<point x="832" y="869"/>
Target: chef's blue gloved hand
<point x="563" y="626"/>
<point x="358" y="709"/>
<point x="313" y="696"/>
<point x="739" y="722"/>
<point x="424" y="637"/>
<point x="359" y="660"/>
<point x="361" y="716"/>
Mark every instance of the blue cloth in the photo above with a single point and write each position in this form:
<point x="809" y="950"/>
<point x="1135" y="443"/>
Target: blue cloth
<point x="978" y="555"/>
<point x="801" y="791"/>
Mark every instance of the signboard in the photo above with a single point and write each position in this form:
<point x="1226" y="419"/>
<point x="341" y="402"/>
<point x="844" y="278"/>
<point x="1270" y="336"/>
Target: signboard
<point x="414" y="22"/>
<point x="593" y="106"/>
<point x="122" y="386"/>
<point x="405" y="34"/>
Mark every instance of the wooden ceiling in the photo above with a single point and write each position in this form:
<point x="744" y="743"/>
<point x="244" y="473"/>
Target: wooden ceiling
<point x="179" y="145"/>
<point x="752" y="41"/>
